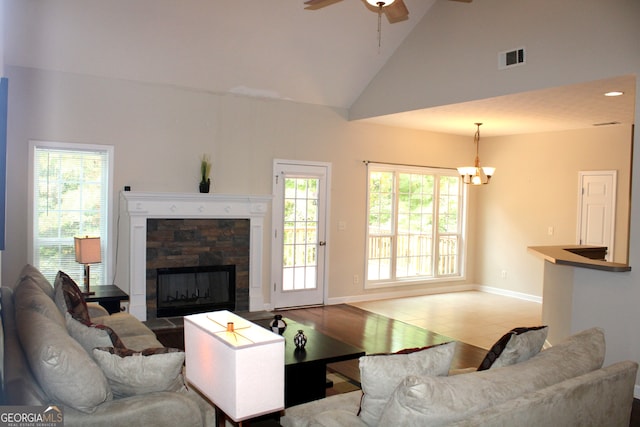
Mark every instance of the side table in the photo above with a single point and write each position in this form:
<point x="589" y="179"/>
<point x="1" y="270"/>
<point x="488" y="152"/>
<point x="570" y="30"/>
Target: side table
<point x="108" y="296"/>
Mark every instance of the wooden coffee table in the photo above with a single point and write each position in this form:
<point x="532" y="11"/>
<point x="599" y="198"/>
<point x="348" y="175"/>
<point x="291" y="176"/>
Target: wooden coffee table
<point x="305" y="370"/>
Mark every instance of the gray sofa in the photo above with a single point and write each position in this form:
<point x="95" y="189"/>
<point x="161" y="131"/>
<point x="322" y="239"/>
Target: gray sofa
<point x="43" y="364"/>
<point x="564" y="385"/>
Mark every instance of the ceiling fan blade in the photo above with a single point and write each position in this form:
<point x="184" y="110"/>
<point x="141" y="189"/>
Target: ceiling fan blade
<point x="463" y="1"/>
<point x="396" y="12"/>
<point x="318" y="4"/>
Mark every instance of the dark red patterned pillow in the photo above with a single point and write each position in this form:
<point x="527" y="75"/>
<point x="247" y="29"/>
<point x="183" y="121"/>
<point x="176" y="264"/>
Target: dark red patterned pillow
<point x="73" y="297"/>
<point x="409" y="350"/>
<point x="513" y="352"/>
<point x="414" y="349"/>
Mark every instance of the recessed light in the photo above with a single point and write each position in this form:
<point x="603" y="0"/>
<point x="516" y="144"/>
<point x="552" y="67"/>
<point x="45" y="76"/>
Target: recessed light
<point x="614" y="93"/>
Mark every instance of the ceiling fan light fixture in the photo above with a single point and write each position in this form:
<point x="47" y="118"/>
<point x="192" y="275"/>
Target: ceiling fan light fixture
<point x="380" y="3"/>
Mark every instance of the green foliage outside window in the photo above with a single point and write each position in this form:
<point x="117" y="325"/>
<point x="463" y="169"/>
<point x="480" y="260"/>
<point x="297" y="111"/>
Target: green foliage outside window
<point x="404" y="205"/>
<point x="70" y="188"/>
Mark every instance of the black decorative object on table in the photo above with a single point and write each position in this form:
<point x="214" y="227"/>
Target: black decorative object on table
<point x="278" y="325"/>
<point x="300" y="339"/>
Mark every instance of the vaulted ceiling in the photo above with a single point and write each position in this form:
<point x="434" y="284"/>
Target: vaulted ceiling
<point x="274" y="49"/>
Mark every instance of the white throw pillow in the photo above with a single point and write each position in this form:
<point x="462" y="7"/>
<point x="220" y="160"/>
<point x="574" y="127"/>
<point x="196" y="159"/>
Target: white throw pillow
<point x="89" y="336"/>
<point x="132" y="372"/>
<point x="381" y="374"/>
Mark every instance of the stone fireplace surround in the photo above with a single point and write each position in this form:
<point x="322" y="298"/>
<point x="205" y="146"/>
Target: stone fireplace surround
<point x="198" y="243"/>
<point x="137" y="207"/>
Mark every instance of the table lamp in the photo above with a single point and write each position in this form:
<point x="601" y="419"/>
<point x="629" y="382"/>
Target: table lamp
<point x="87" y="252"/>
<point x="235" y="363"/>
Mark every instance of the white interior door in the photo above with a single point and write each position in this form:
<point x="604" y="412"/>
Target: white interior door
<point x="597" y="210"/>
<point x="300" y="209"/>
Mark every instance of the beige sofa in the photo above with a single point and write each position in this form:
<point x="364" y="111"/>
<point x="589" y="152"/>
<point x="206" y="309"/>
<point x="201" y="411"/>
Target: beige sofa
<point x="564" y="385"/>
<point x="48" y="360"/>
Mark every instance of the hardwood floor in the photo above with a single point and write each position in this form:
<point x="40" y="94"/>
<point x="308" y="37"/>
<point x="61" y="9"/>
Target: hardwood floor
<point x="375" y="333"/>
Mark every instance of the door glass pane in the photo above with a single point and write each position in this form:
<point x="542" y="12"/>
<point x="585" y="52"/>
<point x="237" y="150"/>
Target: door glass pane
<point x="300" y="234"/>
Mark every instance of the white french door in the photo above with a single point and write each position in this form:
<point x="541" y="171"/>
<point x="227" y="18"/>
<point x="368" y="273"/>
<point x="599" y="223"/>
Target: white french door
<point x="299" y="238"/>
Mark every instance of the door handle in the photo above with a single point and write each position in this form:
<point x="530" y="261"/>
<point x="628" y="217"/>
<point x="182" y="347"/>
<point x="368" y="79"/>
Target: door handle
<point x="322" y="243"/>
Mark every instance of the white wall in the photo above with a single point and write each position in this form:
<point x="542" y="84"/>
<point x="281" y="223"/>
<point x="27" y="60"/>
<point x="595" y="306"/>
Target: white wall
<point x="536" y="187"/>
<point x="160" y="132"/>
<point x="451" y="55"/>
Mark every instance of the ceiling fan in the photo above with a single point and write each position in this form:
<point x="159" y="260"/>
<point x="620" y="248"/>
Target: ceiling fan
<point x="394" y="10"/>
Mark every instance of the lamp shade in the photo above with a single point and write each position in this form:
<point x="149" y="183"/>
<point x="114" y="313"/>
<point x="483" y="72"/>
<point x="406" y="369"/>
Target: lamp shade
<point x="239" y="367"/>
<point x="87" y="250"/>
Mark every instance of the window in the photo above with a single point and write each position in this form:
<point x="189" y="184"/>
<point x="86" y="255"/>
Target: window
<point x="71" y="193"/>
<point x="415" y="224"/>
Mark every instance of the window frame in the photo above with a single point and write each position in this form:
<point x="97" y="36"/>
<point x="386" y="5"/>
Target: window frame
<point x="462" y="228"/>
<point x="106" y="239"/>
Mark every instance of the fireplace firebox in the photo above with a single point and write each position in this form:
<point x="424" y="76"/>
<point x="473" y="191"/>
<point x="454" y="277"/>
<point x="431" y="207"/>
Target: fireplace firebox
<point x="189" y="290"/>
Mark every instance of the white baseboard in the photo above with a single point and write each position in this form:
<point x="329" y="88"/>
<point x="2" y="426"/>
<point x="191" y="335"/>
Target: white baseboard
<point x="397" y="293"/>
<point x="636" y="391"/>
<point x="507" y="293"/>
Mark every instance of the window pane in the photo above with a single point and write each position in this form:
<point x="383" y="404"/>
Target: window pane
<point x="415" y="217"/>
<point x="300" y="233"/>
<point x="70" y="200"/>
<point x="404" y="205"/>
<point x="448" y="259"/>
<point x="448" y="205"/>
<point x="380" y="202"/>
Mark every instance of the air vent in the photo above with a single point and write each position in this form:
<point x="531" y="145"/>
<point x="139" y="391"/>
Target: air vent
<point x="511" y="58"/>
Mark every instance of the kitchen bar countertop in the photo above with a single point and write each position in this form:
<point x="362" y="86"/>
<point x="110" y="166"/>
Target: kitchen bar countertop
<point x="569" y="255"/>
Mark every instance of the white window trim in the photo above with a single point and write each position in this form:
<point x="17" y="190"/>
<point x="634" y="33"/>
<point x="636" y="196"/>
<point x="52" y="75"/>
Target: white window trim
<point x="109" y="246"/>
<point x="394" y="283"/>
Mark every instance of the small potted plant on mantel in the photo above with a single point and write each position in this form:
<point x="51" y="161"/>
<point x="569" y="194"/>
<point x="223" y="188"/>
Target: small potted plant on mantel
<point x="205" y="170"/>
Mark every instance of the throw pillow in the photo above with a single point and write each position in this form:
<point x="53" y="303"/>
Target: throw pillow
<point x="90" y="335"/>
<point x="381" y="374"/>
<point x="517" y="345"/>
<point x="64" y="370"/>
<point x="429" y="401"/>
<point x="66" y="290"/>
<point x="132" y="372"/>
<point x="29" y="271"/>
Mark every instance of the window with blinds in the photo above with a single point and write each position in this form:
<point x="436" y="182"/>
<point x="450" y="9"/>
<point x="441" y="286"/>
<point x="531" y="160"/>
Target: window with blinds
<point x="71" y="196"/>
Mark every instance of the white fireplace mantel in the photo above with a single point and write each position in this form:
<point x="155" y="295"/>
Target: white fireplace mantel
<point x="138" y="207"/>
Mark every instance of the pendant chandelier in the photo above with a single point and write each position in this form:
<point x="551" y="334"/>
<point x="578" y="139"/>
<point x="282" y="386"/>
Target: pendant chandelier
<point x="476" y="175"/>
